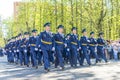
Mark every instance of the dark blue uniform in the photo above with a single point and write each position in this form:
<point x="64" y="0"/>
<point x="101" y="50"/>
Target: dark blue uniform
<point x="92" y="47"/>
<point x="100" y="49"/>
<point x="10" y="52"/>
<point x="46" y="43"/>
<point x="84" y="47"/>
<point x="21" y="51"/>
<point x="7" y="51"/>
<point x="26" y="52"/>
<point x="32" y="44"/>
<point x="59" y="48"/>
<point x="14" y="49"/>
<point x="74" y="45"/>
<point x="1" y="52"/>
<point x="39" y="53"/>
<point x="17" y="51"/>
<point x="67" y="50"/>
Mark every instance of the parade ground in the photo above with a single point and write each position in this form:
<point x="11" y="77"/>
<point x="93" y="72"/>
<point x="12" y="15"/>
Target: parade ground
<point x="101" y="71"/>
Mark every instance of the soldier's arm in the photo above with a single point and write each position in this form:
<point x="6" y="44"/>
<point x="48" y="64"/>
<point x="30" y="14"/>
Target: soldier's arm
<point x="53" y="41"/>
<point x="40" y="38"/>
<point x="38" y="42"/>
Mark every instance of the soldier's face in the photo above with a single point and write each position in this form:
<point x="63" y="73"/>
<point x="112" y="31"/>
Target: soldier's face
<point x="21" y="37"/>
<point x="47" y="28"/>
<point x="34" y="34"/>
<point x="61" y="30"/>
<point x="68" y="37"/>
<point x="101" y="36"/>
<point x="74" y="31"/>
<point x="26" y="36"/>
<point x="85" y="33"/>
<point x="92" y="35"/>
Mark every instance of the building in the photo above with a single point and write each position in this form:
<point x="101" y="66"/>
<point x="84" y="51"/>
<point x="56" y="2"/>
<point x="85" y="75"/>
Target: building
<point x="16" y="8"/>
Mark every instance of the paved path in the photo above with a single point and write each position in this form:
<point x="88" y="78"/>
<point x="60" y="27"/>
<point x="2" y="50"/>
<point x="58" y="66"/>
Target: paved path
<point x="102" y="71"/>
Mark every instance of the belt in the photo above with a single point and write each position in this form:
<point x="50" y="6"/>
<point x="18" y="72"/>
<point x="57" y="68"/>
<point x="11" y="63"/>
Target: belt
<point x="45" y="42"/>
<point x="84" y="44"/>
<point x="74" y="43"/>
<point x="100" y="45"/>
<point x="91" y="44"/>
<point x="33" y="44"/>
<point x="59" y="42"/>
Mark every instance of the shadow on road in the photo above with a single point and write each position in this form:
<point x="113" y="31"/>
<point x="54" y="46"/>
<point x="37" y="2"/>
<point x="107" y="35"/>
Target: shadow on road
<point x="15" y="72"/>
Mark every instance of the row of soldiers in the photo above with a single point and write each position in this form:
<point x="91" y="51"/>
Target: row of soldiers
<point x="48" y="48"/>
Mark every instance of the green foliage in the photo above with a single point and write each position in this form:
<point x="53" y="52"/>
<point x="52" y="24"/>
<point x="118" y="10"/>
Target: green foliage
<point x="95" y="15"/>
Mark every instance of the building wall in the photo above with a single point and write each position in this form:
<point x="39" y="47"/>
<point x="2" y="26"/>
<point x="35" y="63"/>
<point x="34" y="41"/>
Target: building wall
<point x="16" y="7"/>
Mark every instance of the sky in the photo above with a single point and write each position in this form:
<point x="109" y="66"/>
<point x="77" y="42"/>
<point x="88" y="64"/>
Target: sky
<point x="6" y="11"/>
<point x="6" y="8"/>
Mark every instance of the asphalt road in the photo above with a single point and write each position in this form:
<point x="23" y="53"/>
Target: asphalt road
<point x="101" y="71"/>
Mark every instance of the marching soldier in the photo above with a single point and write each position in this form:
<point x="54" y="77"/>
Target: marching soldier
<point x="33" y="49"/>
<point x="17" y="48"/>
<point x="84" y="47"/>
<point x="59" y="47"/>
<point x="67" y="49"/>
<point x="100" y="47"/>
<point x="14" y="47"/>
<point x="74" y="47"/>
<point x="7" y="49"/>
<point x="21" y="47"/>
<point x="11" y="53"/>
<point x="92" y="47"/>
<point x="39" y="52"/>
<point x="26" y="49"/>
<point x="47" y="45"/>
<point x="16" y="51"/>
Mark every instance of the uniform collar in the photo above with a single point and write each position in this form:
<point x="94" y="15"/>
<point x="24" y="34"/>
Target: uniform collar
<point x="84" y="36"/>
<point x="27" y="38"/>
<point x="74" y="34"/>
<point x="61" y="34"/>
<point x="47" y="31"/>
<point x="34" y="36"/>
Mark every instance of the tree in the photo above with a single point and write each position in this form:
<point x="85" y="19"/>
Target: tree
<point x="94" y="15"/>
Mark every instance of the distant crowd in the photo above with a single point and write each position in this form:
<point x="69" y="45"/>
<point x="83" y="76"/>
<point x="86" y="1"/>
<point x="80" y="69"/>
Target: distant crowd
<point x="113" y="50"/>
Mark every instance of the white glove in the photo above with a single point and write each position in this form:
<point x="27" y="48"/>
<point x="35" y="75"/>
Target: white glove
<point x="53" y="49"/>
<point x="40" y="50"/>
<point x="65" y="45"/>
<point x="17" y="50"/>
<point x="38" y="45"/>
<point x="36" y="49"/>
<point x="78" y="49"/>
<point x="96" y="50"/>
<point x="25" y="51"/>
<point x="88" y="40"/>
<point x="68" y="49"/>
<point x="95" y="40"/>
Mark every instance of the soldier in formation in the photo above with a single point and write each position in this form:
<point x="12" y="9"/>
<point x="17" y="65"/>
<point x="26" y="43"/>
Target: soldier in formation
<point x="56" y="49"/>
